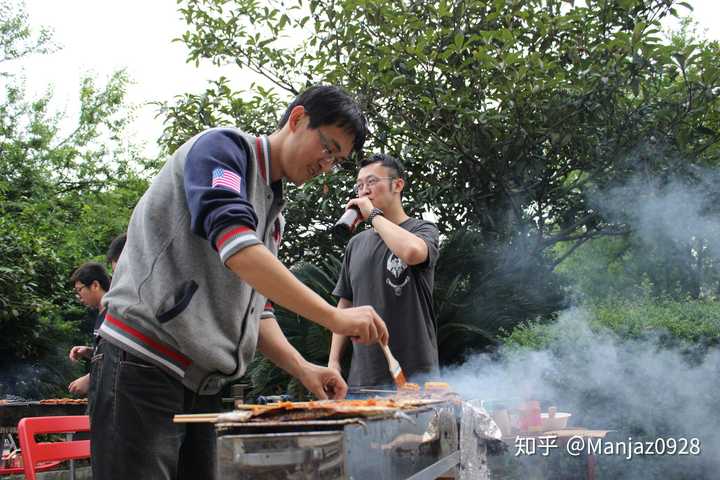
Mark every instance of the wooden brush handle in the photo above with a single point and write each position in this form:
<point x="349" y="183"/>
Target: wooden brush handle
<point x="391" y="360"/>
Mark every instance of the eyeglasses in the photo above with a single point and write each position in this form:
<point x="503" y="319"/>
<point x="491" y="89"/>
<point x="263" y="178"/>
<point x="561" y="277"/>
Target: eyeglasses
<point x="369" y="182"/>
<point x="330" y="157"/>
<point x="80" y="289"/>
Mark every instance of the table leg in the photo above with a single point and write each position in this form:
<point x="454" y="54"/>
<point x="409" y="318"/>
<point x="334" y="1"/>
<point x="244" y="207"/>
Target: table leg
<point x="591" y="463"/>
<point x="71" y="463"/>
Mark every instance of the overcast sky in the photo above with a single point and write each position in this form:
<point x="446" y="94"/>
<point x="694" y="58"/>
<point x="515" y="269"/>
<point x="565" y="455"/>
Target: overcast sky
<point x="101" y="36"/>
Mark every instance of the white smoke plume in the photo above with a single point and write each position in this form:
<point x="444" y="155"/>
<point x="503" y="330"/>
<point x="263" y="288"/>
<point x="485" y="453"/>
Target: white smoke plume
<point x="637" y="388"/>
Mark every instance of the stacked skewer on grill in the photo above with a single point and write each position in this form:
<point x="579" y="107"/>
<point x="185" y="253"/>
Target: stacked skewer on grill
<point x="408" y="397"/>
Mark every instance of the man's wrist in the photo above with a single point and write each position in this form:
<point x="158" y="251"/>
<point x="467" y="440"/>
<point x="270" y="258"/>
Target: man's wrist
<point x="375" y="212"/>
<point x="297" y="366"/>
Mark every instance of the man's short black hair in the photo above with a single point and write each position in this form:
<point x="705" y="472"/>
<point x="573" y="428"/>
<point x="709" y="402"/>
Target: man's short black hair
<point x="330" y="105"/>
<point x="386" y="161"/>
<point x="89" y="272"/>
<point x="116" y="248"/>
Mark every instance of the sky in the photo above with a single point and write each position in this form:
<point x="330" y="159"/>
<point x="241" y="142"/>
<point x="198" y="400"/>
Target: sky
<point x="101" y="36"/>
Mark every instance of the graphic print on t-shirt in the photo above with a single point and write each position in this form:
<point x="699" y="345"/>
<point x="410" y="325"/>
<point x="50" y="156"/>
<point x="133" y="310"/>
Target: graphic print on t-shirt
<point x="396" y="274"/>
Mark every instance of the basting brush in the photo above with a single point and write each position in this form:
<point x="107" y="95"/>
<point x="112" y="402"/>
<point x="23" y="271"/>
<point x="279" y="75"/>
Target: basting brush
<point x="395" y="371"/>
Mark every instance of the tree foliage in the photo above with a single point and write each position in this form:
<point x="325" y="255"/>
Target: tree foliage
<point x="67" y="187"/>
<point x="506" y="112"/>
<point x="509" y="115"/>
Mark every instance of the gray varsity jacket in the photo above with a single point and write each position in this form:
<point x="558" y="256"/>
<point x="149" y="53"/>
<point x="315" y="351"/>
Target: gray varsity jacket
<point x="172" y="300"/>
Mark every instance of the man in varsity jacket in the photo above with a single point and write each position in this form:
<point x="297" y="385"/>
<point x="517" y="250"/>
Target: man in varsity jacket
<point x="189" y="300"/>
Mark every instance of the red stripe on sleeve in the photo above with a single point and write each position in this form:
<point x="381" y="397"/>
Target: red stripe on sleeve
<point x="235" y="231"/>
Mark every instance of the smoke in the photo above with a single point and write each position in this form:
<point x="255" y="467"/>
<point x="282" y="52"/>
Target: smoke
<point x="682" y="211"/>
<point x="36" y="379"/>
<point x="637" y="388"/>
<point x="675" y="232"/>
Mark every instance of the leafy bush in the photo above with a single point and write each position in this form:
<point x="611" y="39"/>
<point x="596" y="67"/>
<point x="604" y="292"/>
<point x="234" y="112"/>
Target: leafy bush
<point x="692" y="322"/>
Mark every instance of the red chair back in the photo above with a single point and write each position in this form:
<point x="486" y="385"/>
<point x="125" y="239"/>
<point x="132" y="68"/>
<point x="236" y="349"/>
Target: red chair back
<point x="34" y="452"/>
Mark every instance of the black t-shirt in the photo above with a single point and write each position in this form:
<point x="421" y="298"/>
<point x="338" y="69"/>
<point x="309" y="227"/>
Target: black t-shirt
<point x="372" y="275"/>
<point x="98" y="323"/>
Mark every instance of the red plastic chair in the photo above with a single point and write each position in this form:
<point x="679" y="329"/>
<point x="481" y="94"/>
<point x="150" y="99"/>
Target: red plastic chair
<point x="40" y="467"/>
<point x="13" y="466"/>
<point x="34" y="452"/>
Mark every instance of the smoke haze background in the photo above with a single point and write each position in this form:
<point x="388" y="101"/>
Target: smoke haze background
<point x="644" y="385"/>
<point x="684" y="211"/>
<point x="638" y="388"/>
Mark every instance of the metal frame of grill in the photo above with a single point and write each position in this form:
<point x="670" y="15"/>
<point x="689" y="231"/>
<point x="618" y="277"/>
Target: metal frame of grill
<point x="417" y="444"/>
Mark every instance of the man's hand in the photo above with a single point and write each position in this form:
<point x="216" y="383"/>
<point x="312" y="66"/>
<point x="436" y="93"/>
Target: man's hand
<point x="80" y="386"/>
<point x="79" y="352"/>
<point x="323" y="382"/>
<point x="363" y="204"/>
<point x="362" y="324"/>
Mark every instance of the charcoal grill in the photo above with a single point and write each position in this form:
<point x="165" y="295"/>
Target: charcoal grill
<point x="12" y="412"/>
<point x="417" y="444"/>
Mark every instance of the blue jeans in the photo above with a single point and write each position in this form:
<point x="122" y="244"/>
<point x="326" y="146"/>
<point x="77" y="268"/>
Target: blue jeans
<point x="132" y="435"/>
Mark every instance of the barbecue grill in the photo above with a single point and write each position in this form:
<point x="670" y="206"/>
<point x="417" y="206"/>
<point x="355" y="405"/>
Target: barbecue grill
<point x="443" y="439"/>
<point x="12" y="411"/>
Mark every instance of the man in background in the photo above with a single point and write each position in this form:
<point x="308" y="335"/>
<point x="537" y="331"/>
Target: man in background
<point x="90" y="282"/>
<point x="391" y="267"/>
<point x="115" y="249"/>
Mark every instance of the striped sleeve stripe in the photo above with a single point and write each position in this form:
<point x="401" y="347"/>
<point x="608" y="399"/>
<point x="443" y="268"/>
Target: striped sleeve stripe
<point x="229" y="235"/>
<point x="268" y="311"/>
<point x="235" y="239"/>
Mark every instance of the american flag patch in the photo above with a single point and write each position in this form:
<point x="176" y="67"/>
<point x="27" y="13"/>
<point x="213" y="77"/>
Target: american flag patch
<point x="226" y="178"/>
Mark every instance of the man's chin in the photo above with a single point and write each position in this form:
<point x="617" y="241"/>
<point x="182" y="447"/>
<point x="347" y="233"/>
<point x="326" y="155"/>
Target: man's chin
<point x="298" y="181"/>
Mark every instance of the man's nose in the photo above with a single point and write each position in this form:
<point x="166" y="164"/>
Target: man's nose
<point x="326" y="165"/>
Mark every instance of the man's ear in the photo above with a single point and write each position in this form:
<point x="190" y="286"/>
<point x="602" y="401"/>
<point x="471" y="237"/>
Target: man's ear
<point x="296" y="114"/>
<point x="399" y="185"/>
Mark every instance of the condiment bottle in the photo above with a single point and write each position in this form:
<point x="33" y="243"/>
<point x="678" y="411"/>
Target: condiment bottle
<point x="534" y="419"/>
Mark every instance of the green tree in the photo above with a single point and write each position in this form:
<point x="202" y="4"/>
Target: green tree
<point x="63" y="197"/>
<point x="510" y="115"/>
<point x="506" y="112"/>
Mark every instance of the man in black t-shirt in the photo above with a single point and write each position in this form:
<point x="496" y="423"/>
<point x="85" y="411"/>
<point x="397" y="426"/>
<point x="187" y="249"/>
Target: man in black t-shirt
<point x="390" y="267"/>
<point x="90" y="282"/>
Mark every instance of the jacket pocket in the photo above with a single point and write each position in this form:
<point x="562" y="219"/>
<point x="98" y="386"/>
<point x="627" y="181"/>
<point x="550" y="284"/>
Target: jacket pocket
<point x="183" y="294"/>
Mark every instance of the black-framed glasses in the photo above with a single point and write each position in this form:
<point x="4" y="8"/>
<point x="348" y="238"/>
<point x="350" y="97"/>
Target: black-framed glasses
<point x="334" y="161"/>
<point x="79" y="289"/>
<point x="369" y="182"/>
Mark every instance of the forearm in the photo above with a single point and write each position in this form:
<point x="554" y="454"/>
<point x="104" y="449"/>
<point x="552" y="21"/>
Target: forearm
<point x="275" y="346"/>
<point x="407" y="246"/>
<point x="257" y="266"/>
<point x="337" y="345"/>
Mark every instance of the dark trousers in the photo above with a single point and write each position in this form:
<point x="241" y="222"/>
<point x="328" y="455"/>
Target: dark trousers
<point x="132" y="435"/>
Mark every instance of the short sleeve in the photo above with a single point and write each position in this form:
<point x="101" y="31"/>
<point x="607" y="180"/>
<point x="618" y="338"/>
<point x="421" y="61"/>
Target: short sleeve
<point x="430" y="234"/>
<point x="343" y="288"/>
